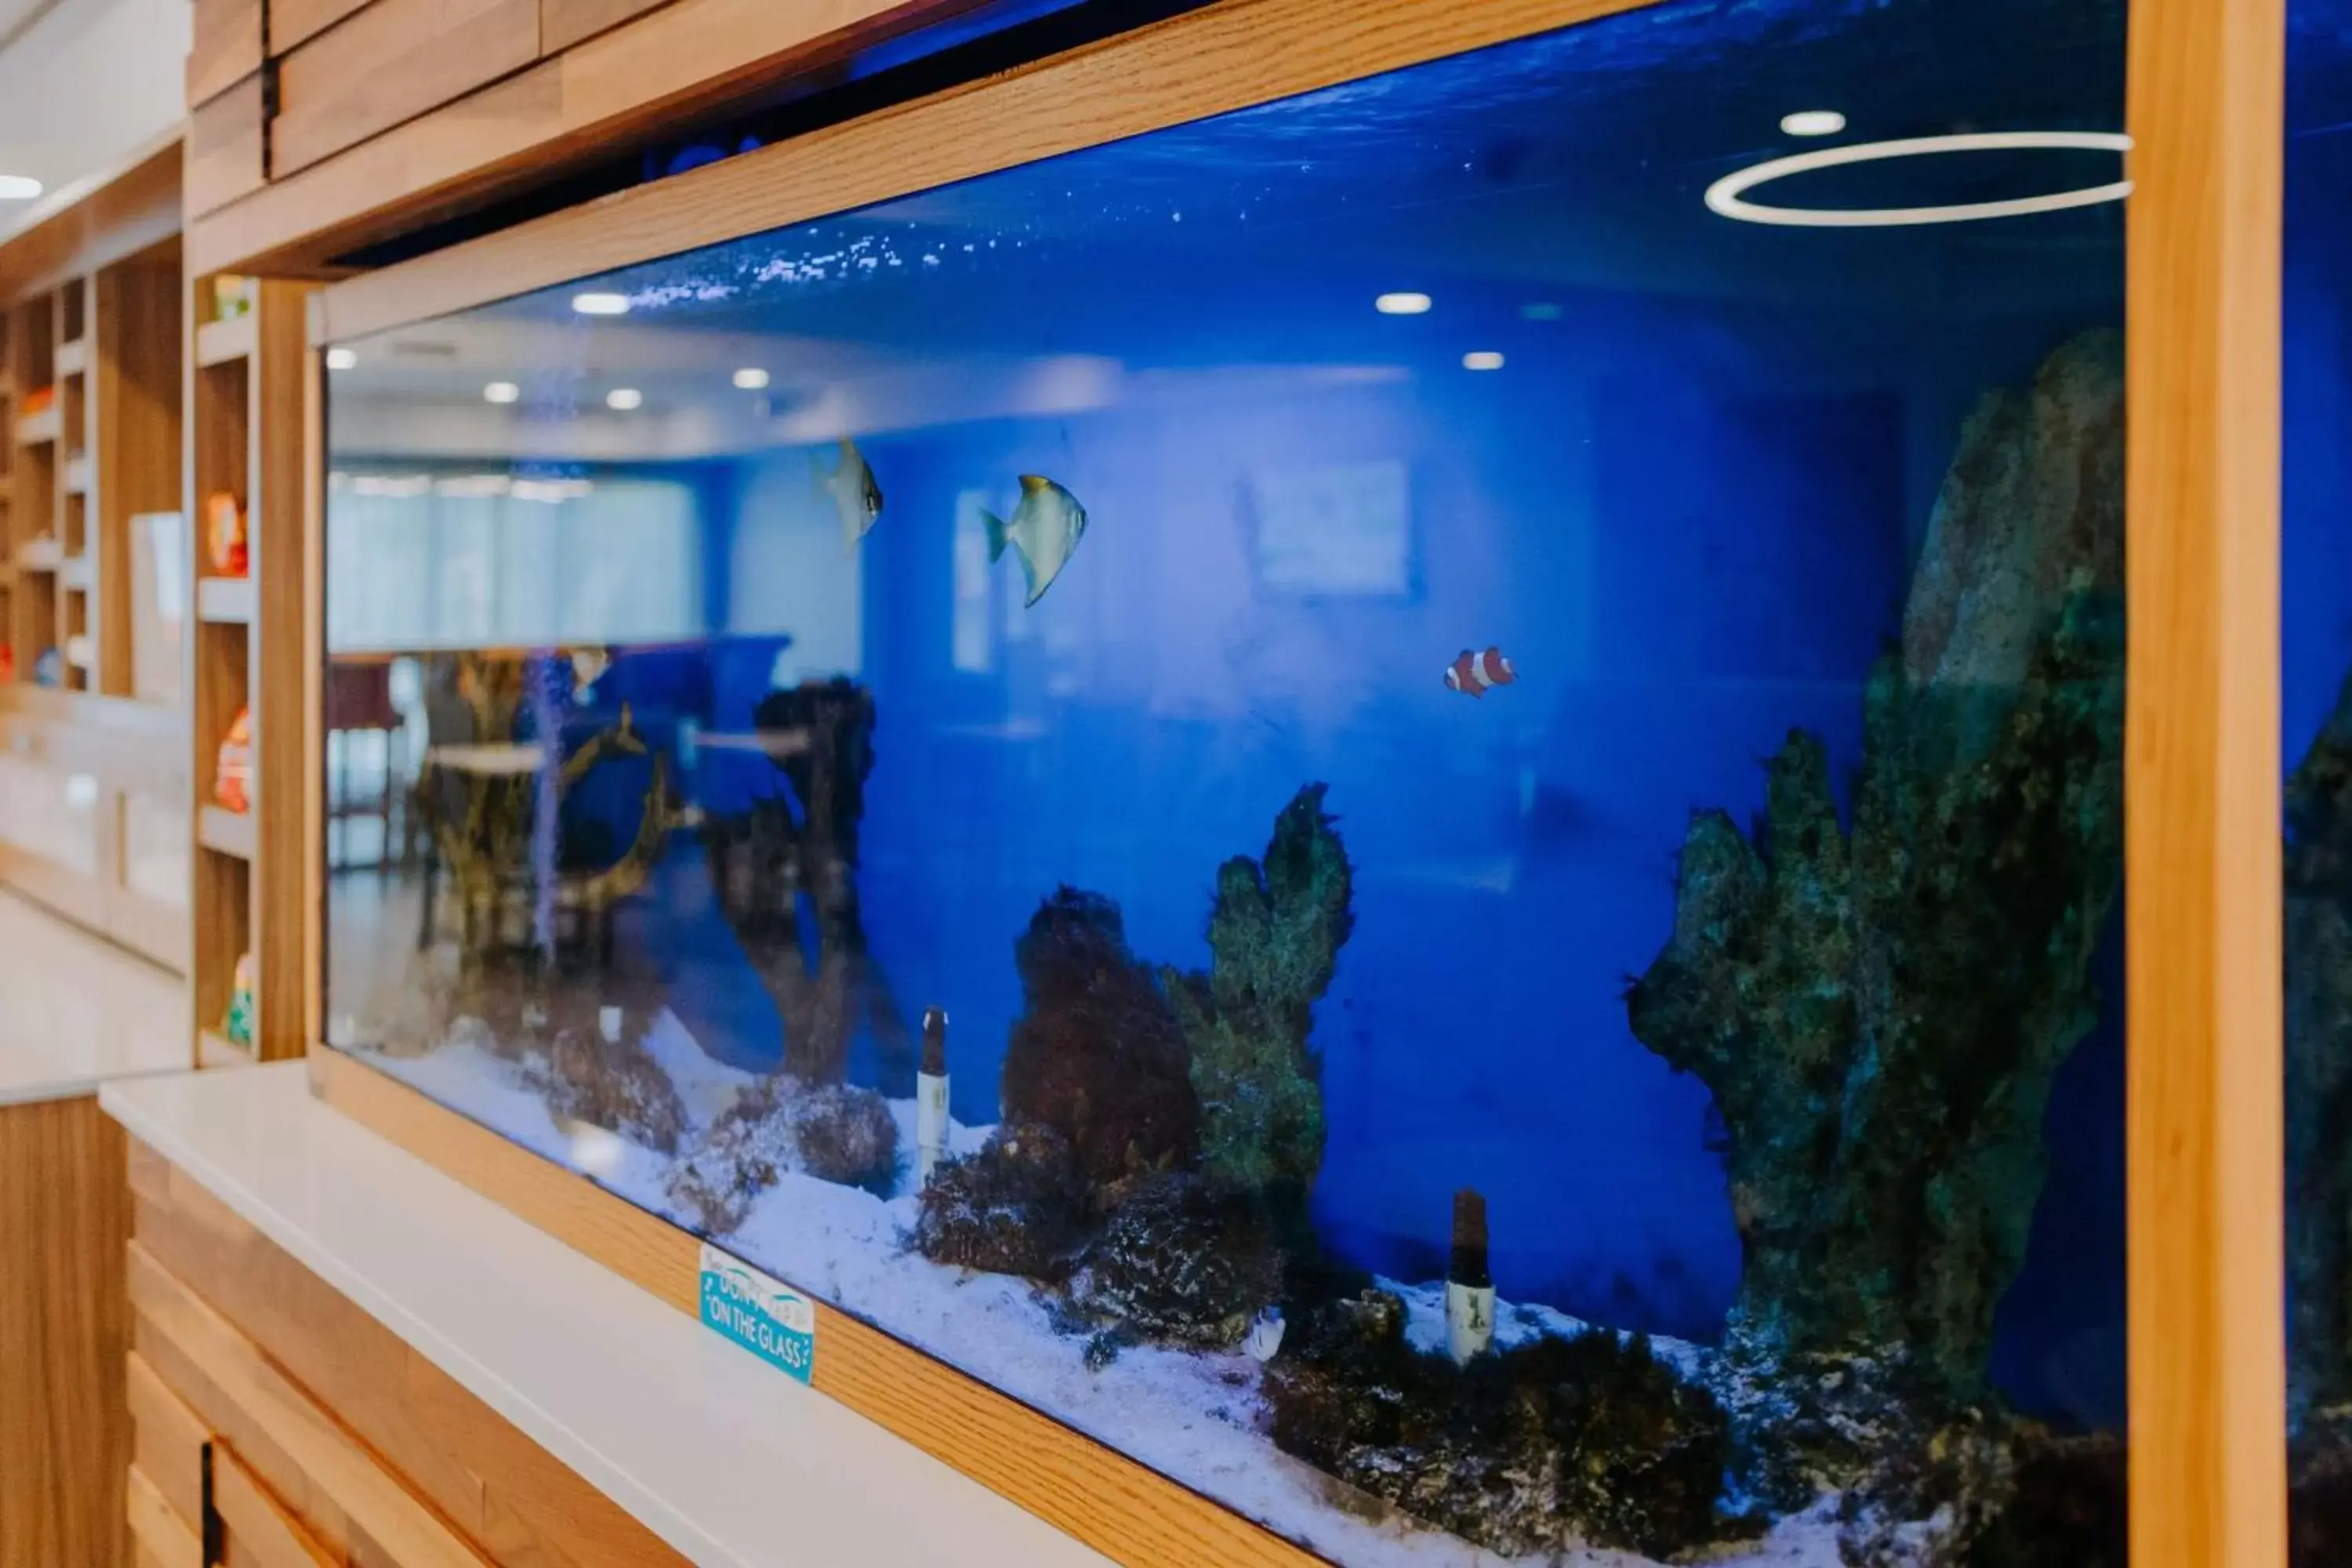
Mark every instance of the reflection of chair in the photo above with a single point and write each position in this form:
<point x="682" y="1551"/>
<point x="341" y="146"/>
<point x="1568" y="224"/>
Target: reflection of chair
<point x="358" y="701"/>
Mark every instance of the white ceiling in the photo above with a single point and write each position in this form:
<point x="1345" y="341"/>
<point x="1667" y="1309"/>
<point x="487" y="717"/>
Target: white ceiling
<point x="85" y="86"/>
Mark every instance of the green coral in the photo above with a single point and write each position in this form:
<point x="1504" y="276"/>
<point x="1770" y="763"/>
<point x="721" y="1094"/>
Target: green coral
<point x="1879" y="1011"/>
<point x="1274" y="937"/>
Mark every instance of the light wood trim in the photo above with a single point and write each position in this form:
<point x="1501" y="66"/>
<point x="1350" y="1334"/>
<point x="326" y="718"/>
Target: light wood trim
<point x="259" y="1524"/>
<point x="224" y="45"/>
<point x="1130" y="1513"/>
<point x="224" y="601"/>
<point x="170" y="1439"/>
<point x="410" y="1533"/>
<point x="217" y="343"/>
<point x="2202" y="880"/>
<point x="226" y="147"/>
<point x="228" y="832"/>
<point x="293" y="21"/>
<point x="285" y="766"/>
<point x="158" y="1529"/>
<point x="563" y="24"/>
<point x="95" y="223"/>
<point x="1227" y="57"/>
<point x="388" y="62"/>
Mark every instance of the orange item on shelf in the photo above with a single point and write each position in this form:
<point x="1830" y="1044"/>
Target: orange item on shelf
<point x="232" y="779"/>
<point x="8" y="662"/>
<point x="38" y="401"/>
<point x="224" y="535"/>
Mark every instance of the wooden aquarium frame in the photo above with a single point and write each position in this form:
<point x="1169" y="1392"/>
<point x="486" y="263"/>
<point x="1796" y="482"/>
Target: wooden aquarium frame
<point x="2202" y="776"/>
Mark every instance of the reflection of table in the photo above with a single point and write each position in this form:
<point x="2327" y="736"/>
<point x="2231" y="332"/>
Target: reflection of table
<point x="774" y="743"/>
<point x="504" y="760"/>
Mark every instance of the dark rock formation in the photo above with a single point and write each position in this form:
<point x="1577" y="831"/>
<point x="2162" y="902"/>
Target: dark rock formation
<point x="1274" y="939"/>
<point x="2319" y="889"/>
<point x="613" y="1084"/>
<point x="1096" y="1055"/>
<point x="1019" y="1206"/>
<point x="1527" y="1451"/>
<point x="1879" y="1011"/>
<point x="830" y="1132"/>
<point x="845" y="1134"/>
<point x="1182" y="1262"/>
<point x="2068" y="1507"/>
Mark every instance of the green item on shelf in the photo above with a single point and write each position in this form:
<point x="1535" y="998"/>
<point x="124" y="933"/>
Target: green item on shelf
<point x="239" y="1025"/>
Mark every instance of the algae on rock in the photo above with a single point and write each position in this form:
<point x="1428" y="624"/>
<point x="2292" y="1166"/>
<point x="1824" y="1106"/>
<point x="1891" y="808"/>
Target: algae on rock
<point x="1880" y="1010"/>
<point x="1274" y="939"/>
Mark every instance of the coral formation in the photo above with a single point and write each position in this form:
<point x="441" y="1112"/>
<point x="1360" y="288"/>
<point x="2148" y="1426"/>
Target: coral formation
<point x="1018" y="1206"/>
<point x="832" y="1131"/>
<point x="2318" y="891"/>
<point x="1527" y="1451"/>
<point x="1274" y="939"/>
<point x="609" y="1082"/>
<point x="1182" y="1262"/>
<point x="1096" y="1055"/>
<point x="1879" y="1011"/>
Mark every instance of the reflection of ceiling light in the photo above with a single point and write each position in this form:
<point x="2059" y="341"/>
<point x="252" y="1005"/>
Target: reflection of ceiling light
<point x="18" y="187"/>
<point x="552" y="492"/>
<point x="601" y="304"/>
<point x="473" y="485"/>
<point x="621" y="399"/>
<point x="751" y="380"/>
<point x="1725" y="197"/>
<point x="1814" y="122"/>
<point x="502" y="392"/>
<point x="1406" y="304"/>
<point x="1482" y="358"/>
<point x="342" y="359"/>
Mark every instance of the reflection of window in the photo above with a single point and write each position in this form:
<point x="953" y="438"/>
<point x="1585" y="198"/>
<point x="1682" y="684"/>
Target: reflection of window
<point x="1336" y="529"/>
<point x="413" y="562"/>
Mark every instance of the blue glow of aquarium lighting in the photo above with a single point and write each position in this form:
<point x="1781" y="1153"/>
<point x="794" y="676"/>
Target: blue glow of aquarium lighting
<point x="1726" y="197"/>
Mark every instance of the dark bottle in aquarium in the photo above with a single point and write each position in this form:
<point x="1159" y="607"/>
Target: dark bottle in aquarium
<point x="1495" y="716"/>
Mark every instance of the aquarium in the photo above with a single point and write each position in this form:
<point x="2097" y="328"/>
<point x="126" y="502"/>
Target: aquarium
<point x="1409" y="802"/>
<point x="2315" y="742"/>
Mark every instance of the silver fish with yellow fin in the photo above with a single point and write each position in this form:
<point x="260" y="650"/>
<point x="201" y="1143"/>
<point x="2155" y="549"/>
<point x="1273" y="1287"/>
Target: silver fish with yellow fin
<point x="854" y="494"/>
<point x="1046" y="527"/>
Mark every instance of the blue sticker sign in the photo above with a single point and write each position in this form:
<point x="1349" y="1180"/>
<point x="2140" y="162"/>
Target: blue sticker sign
<point x="765" y="1315"/>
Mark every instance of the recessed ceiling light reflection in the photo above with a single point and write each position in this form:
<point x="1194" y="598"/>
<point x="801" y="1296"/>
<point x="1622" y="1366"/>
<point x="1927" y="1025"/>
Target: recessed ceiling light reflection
<point x="1482" y="359"/>
<point x="621" y="399"/>
<point x="601" y="304"/>
<point x="18" y="187"/>
<point x="1814" y="122"/>
<point x="342" y="359"/>
<point x="502" y="392"/>
<point x="1402" y="304"/>
<point x="751" y="378"/>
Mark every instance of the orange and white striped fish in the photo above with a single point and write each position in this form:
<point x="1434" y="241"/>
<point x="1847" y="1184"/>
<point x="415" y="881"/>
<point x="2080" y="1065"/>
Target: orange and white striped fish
<point x="1473" y="673"/>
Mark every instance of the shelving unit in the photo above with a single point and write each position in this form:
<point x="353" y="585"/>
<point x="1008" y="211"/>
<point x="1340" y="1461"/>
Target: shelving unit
<point x="245" y="386"/>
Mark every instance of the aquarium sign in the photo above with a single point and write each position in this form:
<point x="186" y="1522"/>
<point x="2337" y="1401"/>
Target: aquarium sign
<point x="765" y="1315"/>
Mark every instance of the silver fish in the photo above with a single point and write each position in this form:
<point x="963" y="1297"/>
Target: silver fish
<point x="1046" y="527"/>
<point x="854" y="494"/>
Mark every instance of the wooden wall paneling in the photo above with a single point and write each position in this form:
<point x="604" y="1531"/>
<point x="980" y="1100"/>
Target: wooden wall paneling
<point x="563" y="22"/>
<point x="261" y="1529"/>
<point x="283" y="368"/>
<point x="1207" y="62"/>
<point x="2203" y="883"/>
<point x="225" y="47"/>
<point x="169" y="1440"/>
<point x="96" y="223"/>
<point x="161" y="1532"/>
<point x="65" y="1444"/>
<point x="389" y="62"/>
<point x="228" y="147"/>
<point x="292" y="22"/>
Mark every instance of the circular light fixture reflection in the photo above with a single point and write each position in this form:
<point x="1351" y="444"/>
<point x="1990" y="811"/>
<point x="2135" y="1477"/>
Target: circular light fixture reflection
<point x="502" y="392"/>
<point x="1402" y="304"/>
<point x="1812" y="122"/>
<point x="1482" y="358"/>
<point x="751" y="378"/>
<point x="18" y="187"/>
<point x="600" y="304"/>
<point x="621" y="399"/>
<point x="1727" y="197"/>
<point x="342" y="359"/>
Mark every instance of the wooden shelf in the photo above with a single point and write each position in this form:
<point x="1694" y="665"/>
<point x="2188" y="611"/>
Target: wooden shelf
<point x="214" y="1050"/>
<point x="77" y="475"/>
<point x="218" y="343"/>
<point x="73" y="358"/>
<point x="224" y="601"/>
<point x="78" y="574"/>
<point x="34" y="429"/>
<point x="228" y="832"/>
<point x="41" y="555"/>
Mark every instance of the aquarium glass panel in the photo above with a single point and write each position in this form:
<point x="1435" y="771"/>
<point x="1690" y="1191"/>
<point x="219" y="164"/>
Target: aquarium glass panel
<point x="1410" y="801"/>
<point x="2316" y="739"/>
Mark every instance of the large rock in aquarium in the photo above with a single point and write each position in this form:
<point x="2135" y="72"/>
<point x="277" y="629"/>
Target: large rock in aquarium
<point x="1020" y="1206"/>
<point x="1096" y="1055"/>
<point x="1880" y="1009"/>
<point x="2318" y="888"/>
<point x="832" y="1131"/>
<point x="1528" y="1451"/>
<point x="1274" y="942"/>
<point x="592" y="1067"/>
<point x="1184" y="1262"/>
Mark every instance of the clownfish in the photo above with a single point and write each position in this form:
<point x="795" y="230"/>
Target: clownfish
<point x="1473" y="673"/>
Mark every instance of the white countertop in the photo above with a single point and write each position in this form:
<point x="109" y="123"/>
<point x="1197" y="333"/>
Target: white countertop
<point x="76" y="1010"/>
<point x="727" y="1459"/>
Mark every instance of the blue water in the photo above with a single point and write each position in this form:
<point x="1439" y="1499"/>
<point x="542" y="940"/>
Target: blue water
<point x="1686" y="507"/>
